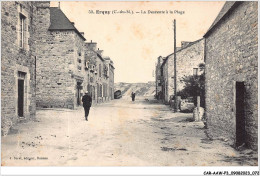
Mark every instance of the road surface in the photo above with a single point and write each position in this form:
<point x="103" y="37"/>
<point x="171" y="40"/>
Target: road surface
<point x="118" y="133"/>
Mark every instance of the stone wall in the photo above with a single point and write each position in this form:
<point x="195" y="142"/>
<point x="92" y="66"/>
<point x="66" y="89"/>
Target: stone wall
<point x="99" y="80"/>
<point x="111" y="80"/>
<point x="232" y="55"/>
<point x="90" y="58"/>
<point x="80" y="74"/>
<point x="58" y="54"/>
<point x="166" y="79"/>
<point x="158" y="77"/>
<point x="14" y="59"/>
<point x="55" y="66"/>
<point x="187" y="58"/>
<point x="170" y="76"/>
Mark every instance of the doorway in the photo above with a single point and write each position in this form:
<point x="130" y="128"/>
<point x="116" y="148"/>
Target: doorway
<point x="79" y="87"/>
<point x="20" y="97"/>
<point x="240" y="113"/>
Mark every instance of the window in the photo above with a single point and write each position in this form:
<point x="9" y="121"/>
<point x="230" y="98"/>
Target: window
<point x="195" y="71"/>
<point x="100" y="90"/>
<point x="22" y="30"/>
<point x="99" y="70"/>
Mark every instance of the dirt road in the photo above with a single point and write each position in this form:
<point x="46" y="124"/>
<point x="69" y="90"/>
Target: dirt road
<point x="118" y="133"/>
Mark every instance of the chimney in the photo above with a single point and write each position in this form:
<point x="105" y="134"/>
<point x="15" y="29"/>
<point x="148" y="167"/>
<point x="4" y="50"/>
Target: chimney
<point x="72" y="23"/>
<point x="90" y="41"/>
<point x="184" y="44"/>
<point x="92" y="46"/>
<point x="42" y="4"/>
<point x="159" y="60"/>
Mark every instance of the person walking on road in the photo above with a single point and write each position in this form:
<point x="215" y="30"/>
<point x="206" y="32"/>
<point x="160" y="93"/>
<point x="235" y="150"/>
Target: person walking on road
<point x="133" y="96"/>
<point x="87" y="102"/>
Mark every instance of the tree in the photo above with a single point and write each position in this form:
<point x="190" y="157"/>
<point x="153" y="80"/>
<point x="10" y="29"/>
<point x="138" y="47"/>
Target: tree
<point x="194" y="86"/>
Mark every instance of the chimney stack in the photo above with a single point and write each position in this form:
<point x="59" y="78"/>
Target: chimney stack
<point x="184" y="44"/>
<point x="91" y="45"/>
<point x="42" y="4"/>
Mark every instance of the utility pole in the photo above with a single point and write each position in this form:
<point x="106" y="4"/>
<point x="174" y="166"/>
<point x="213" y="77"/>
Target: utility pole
<point x="175" y="70"/>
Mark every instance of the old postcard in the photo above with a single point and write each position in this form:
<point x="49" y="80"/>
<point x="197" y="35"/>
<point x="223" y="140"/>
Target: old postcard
<point x="126" y="83"/>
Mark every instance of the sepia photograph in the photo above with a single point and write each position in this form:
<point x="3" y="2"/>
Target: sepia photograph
<point x="130" y="83"/>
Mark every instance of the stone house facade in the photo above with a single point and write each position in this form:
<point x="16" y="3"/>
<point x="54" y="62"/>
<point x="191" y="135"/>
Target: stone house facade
<point x="91" y="65"/>
<point x="188" y="59"/>
<point x="191" y="56"/>
<point x="17" y="63"/>
<point x="111" y="79"/>
<point x="165" y="80"/>
<point x="158" y="77"/>
<point x="231" y="74"/>
<point x="110" y="75"/>
<point x="101" y="74"/>
<point x="60" y="70"/>
<point x="101" y="79"/>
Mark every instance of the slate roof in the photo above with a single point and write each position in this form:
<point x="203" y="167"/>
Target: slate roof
<point x="228" y="6"/>
<point x="107" y="58"/>
<point x="59" y="21"/>
<point x="99" y="56"/>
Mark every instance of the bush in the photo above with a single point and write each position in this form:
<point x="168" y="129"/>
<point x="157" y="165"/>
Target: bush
<point x="194" y="86"/>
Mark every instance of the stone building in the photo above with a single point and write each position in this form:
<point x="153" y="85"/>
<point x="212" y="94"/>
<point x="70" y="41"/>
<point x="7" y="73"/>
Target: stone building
<point x="110" y="75"/>
<point x="101" y="74"/>
<point x="231" y="74"/>
<point x="45" y="63"/>
<point x="165" y="76"/>
<point x="111" y="79"/>
<point x="61" y="77"/>
<point x="17" y="63"/>
<point x="158" y="77"/>
<point x="99" y="78"/>
<point x="188" y="59"/>
<point x="91" y="65"/>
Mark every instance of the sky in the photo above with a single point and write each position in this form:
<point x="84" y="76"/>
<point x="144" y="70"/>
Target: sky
<point x="135" y="41"/>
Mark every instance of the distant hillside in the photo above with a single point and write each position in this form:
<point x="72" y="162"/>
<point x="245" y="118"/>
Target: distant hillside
<point x="140" y="89"/>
